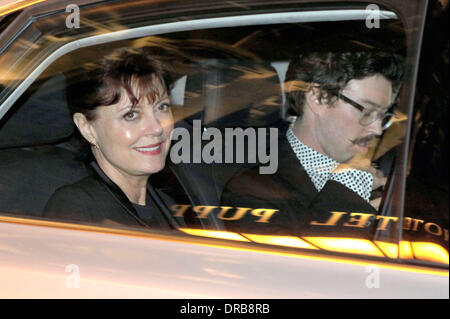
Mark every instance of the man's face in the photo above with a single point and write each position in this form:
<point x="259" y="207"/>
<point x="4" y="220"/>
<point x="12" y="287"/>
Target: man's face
<point x="340" y="134"/>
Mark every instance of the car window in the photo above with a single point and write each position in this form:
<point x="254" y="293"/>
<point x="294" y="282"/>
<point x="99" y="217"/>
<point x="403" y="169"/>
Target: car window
<point x="426" y="202"/>
<point x="229" y="97"/>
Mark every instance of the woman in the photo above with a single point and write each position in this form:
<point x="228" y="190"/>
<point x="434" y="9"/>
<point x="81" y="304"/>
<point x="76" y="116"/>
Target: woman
<point x="121" y="107"/>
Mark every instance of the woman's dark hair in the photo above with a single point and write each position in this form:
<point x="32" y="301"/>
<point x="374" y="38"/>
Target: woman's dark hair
<point x="332" y="71"/>
<point x="102" y="83"/>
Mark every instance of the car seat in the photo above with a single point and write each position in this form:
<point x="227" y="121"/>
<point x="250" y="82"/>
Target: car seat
<point x="229" y="94"/>
<point x="36" y="153"/>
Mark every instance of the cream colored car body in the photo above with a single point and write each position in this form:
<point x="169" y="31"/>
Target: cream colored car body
<point x="51" y="260"/>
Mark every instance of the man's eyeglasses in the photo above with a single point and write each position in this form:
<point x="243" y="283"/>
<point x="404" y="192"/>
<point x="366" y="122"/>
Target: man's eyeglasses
<point x="369" y="116"/>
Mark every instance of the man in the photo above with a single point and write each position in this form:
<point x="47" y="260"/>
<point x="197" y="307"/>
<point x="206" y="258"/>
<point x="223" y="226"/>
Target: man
<point x="342" y="101"/>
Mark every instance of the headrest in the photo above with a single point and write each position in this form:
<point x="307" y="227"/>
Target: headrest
<point x="41" y="116"/>
<point x="234" y="93"/>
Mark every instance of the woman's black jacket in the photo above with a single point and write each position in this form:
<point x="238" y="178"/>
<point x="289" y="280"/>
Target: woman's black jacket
<point x="96" y="199"/>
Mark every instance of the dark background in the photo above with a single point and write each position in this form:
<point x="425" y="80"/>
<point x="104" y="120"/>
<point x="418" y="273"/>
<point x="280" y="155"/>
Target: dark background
<point x="427" y="184"/>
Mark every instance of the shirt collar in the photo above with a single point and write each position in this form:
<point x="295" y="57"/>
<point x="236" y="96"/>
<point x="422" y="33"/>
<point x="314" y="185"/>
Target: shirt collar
<point x="309" y="158"/>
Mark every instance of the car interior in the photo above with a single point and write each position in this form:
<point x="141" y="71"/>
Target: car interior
<point x="226" y="78"/>
<point x="42" y="155"/>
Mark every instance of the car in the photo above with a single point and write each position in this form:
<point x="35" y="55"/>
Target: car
<point x="228" y="60"/>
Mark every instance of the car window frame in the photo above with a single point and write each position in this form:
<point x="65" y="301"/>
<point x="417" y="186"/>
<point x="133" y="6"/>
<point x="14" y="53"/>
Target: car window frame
<point x="284" y="17"/>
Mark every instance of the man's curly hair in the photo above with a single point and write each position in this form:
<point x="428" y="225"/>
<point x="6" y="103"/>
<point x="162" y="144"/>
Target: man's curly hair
<point x="331" y="72"/>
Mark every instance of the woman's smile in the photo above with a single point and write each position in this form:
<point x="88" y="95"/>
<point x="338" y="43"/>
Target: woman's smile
<point x="153" y="149"/>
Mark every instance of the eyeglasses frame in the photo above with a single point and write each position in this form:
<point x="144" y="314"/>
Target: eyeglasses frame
<point x="362" y="109"/>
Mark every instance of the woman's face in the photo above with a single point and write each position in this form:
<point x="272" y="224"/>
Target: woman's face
<point x="133" y="141"/>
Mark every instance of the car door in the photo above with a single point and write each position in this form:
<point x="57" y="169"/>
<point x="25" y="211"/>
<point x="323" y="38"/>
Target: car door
<point x="229" y="61"/>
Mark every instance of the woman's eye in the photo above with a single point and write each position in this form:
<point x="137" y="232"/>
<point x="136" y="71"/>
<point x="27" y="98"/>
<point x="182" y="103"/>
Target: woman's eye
<point x="163" y="107"/>
<point x="131" y="115"/>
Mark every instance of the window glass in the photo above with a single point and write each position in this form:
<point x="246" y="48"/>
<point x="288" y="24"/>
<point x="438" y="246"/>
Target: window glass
<point x="235" y="168"/>
<point x="426" y="201"/>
